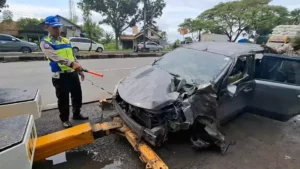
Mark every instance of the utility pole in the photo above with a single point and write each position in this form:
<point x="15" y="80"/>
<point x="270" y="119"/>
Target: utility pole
<point x="70" y="10"/>
<point x="145" y="23"/>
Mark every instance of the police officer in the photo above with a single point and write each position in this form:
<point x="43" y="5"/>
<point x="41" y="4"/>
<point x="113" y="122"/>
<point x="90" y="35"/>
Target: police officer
<point x="286" y="72"/>
<point x="66" y="71"/>
<point x="289" y="49"/>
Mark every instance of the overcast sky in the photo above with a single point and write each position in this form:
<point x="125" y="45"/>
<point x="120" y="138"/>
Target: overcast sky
<point x="174" y="13"/>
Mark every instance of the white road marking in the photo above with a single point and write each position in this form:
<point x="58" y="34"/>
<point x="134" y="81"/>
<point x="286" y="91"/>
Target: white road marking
<point x="106" y="70"/>
<point x="52" y="104"/>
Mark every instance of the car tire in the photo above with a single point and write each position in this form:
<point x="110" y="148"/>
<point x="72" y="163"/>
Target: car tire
<point x="26" y="50"/>
<point x="75" y="50"/>
<point x="99" y="49"/>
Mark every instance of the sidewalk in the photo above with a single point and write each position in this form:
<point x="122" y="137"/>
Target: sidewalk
<point x="39" y="56"/>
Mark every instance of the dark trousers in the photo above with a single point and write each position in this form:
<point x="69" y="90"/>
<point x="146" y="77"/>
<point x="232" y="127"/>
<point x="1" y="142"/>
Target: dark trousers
<point x="68" y="83"/>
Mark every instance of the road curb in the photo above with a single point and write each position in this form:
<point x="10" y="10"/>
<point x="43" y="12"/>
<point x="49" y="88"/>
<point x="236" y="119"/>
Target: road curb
<point x="6" y="59"/>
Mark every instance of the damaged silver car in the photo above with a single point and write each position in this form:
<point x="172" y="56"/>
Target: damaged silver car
<point x="195" y="87"/>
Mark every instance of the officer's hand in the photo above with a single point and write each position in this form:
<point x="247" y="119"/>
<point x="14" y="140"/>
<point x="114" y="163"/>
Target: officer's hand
<point x="76" y="66"/>
<point x="264" y="46"/>
<point x="82" y="76"/>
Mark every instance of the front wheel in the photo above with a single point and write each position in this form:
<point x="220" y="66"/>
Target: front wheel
<point x="99" y="50"/>
<point x="75" y="50"/>
<point x="26" y="50"/>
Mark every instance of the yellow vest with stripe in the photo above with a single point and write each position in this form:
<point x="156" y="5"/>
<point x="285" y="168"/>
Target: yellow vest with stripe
<point x="63" y="49"/>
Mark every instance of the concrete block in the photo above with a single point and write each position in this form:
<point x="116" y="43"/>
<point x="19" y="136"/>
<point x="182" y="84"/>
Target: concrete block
<point x="12" y="131"/>
<point x="11" y="58"/>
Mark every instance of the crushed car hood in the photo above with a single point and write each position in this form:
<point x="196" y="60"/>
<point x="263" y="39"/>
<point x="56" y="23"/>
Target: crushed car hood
<point x="148" y="87"/>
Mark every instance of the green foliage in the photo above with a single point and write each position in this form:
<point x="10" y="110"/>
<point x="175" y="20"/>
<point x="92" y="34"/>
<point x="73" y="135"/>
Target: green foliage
<point x="164" y="36"/>
<point x="295" y="17"/>
<point x="256" y="17"/>
<point x="188" y="39"/>
<point x="107" y="38"/>
<point x="176" y="44"/>
<point x="24" y="23"/>
<point x="3" y="4"/>
<point x="110" y="46"/>
<point x="117" y="13"/>
<point x="263" y="19"/>
<point x="7" y="15"/>
<point x="195" y="26"/>
<point x="93" y="30"/>
<point x="154" y="10"/>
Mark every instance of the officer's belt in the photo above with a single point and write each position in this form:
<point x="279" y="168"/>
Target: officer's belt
<point x="66" y="71"/>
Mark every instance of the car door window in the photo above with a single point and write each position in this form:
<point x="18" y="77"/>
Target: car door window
<point x="277" y="87"/>
<point x="5" y="38"/>
<point x="241" y="70"/>
<point x="74" y="40"/>
<point x="80" y="40"/>
<point x="86" y="41"/>
<point x="154" y="44"/>
<point x="281" y="70"/>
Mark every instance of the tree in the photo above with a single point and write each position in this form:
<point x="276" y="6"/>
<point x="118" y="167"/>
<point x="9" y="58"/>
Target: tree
<point x="295" y="16"/>
<point x="24" y="23"/>
<point x="188" y="39"/>
<point x="3" y="4"/>
<point x="7" y="15"/>
<point x="108" y="37"/>
<point x="164" y="36"/>
<point x="195" y="26"/>
<point x="93" y="30"/>
<point x="263" y="19"/>
<point x="253" y="16"/>
<point x="154" y="9"/>
<point x="226" y="17"/>
<point x="118" y="13"/>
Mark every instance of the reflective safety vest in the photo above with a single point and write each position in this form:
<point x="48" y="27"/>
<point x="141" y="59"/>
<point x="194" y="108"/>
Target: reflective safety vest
<point x="63" y="49"/>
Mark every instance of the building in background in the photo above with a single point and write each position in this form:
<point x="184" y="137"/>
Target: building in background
<point x="126" y="41"/>
<point x="210" y="37"/>
<point x="69" y="29"/>
<point x="9" y="27"/>
<point x="152" y="34"/>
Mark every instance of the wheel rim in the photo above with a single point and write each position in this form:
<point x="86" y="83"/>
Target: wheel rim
<point x="75" y="50"/>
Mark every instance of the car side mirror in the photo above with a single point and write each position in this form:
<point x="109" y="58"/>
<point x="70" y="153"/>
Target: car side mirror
<point x="231" y="89"/>
<point x="14" y="39"/>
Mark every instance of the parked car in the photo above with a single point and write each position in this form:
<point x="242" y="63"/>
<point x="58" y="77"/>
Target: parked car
<point x="199" y="86"/>
<point x="185" y="42"/>
<point x="84" y="44"/>
<point x="9" y="43"/>
<point x="150" y="46"/>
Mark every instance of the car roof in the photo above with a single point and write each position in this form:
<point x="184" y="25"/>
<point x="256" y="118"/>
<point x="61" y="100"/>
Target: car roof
<point x="5" y="34"/>
<point x="229" y="49"/>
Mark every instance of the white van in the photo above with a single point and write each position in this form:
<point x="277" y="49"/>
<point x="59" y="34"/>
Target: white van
<point x="83" y="44"/>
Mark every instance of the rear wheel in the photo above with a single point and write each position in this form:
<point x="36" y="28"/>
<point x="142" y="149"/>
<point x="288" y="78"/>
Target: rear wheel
<point x="99" y="49"/>
<point x="75" y="50"/>
<point x="26" y="50"/>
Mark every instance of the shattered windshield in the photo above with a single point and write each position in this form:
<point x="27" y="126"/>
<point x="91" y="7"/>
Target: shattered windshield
<point x="196" y="67"/>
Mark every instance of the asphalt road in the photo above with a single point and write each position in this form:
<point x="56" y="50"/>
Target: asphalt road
<point x="37" y="75"/>
<point x="261" y="143"/>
